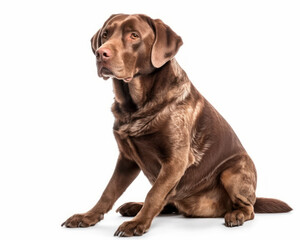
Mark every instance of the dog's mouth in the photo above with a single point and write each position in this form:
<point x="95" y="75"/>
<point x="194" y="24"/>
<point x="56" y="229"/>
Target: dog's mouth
<point x="106" y="73"/>
<point x="127" y="80"/>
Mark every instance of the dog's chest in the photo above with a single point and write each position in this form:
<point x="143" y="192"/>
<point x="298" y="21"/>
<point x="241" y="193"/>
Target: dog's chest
<point x="145" y="150"/>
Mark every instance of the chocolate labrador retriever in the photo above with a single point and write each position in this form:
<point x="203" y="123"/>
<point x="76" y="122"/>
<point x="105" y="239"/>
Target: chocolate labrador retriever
<point x="163" y="126"/>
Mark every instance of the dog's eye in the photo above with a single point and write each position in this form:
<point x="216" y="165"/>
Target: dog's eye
<point x="134" y="36"/>
<point x="104" y="35"/>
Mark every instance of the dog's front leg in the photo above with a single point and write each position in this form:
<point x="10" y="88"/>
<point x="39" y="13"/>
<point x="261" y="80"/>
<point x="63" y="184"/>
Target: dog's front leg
<point x="125" y="172"/>
<point x="169" y="176"/>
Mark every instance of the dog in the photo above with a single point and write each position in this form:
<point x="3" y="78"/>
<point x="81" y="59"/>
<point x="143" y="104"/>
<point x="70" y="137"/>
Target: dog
<point x="165" y="128"/>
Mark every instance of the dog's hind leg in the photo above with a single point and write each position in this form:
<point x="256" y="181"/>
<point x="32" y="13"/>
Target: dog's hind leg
<point x="240" y="183"/>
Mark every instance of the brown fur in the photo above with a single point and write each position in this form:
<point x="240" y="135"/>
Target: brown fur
<point x="166" y="128"/>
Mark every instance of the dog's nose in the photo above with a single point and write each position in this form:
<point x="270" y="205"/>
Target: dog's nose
<point x="103" y="54"/>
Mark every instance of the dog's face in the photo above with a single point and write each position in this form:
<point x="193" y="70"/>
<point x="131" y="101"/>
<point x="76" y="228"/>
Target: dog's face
<point x="131" y="45"/>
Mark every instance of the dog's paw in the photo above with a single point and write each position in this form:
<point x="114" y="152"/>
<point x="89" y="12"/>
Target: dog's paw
<point x="132" y="228"/>
<point x="82" y="220"/>
<point x="234" y="219"/>
<point x="130" y="209"/>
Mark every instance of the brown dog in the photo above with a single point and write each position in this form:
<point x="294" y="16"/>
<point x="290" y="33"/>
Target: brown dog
<point x="164" y="127"/>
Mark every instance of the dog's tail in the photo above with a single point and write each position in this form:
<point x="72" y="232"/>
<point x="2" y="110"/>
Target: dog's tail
<point x="270" y="205"/>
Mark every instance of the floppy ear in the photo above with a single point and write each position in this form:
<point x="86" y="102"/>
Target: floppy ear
<point x="166" y="44"/>
<point x="95" y="41"/>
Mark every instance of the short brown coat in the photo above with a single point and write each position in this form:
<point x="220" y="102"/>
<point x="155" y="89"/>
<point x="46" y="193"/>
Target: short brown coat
<point x="165" y="128"/>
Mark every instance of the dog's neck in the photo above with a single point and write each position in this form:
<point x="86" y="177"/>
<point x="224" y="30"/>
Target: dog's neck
<point x="144" y="88"/>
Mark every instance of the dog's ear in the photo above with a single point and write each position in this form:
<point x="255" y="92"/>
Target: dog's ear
<point x="166" y="44"/>
<point x="96" y="39"/>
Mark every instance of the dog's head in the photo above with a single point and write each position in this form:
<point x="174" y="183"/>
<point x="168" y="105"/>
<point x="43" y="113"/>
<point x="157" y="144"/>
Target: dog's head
<point x="131" y="45"/>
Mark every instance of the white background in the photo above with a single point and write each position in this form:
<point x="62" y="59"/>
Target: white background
<point x="57" y="149"/>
